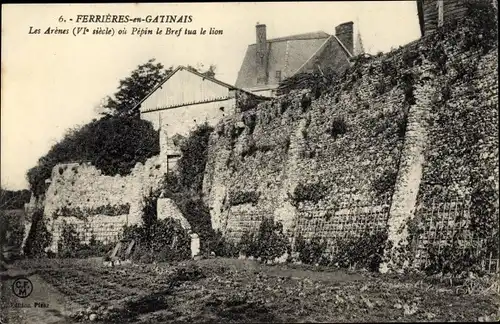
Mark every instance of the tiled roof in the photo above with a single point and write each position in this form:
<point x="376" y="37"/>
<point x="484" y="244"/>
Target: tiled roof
<point x="286" y="54"/>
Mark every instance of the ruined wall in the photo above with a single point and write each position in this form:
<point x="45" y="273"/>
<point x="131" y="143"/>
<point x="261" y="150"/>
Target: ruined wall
<point x="343" y="147"/>
<point x="362" y="154"/>
<point x="98" y="204"/>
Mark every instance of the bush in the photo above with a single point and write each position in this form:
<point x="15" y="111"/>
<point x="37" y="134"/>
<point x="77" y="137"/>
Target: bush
<point x="337" y="128"/>
<point x="11" y="231"/>
<point x="39" y="238"/>
<point x="164" y="240"/>
<point x="158" y="240"/>
<point x="309" y="192"/>
<point x="221" y="247"/>
<point x="365" y="251"/>
<point x="310" y="252"/>
<point x="268" y="243"/>
<point x="243" y="197"/>
<point x="458" y="257"/>
<point x="10" y="199"/>
<point x="112" y="144"/>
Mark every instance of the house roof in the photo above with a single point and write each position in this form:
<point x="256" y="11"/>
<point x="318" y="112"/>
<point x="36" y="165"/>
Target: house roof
<point x="286" y="54"/>
<point x="181" y="67"/>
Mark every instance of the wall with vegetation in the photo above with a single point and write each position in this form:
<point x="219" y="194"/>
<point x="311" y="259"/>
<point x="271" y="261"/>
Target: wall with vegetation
<point x="80" y="194"/>
<point x="419" y="121"/>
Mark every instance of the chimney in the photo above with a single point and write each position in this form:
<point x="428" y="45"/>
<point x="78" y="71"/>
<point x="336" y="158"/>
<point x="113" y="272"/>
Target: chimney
<point x="262" y="55"/>
<point x="344" y="32"/>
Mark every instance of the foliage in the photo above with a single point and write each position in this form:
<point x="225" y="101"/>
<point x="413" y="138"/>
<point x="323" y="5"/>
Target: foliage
<point x="365" y="251"/>
<point x="11" y="230"/>
<point x="112" y="144"/>
<point x="305" y="102"/>
<point x="134" y="88"/>
<point x="69" y="242"/>
<point x="268" y="243"/>
<point x="221" y="247"/>
<point x="313" y="192"/>
<point x="83" y="213"/>
<point x="243" y="197"/>
<point x="39" y="238"/>
<point x="210" y="72"/>
<point x="481" y="30"/>
<point x="458" y="257"/>
<point x="191" y="166"/>
<point x="385" y="183"/>
<point x="10" y="199"/>
<point x="250" y="120"/>
<point x="157" y="240"/>
<point x="310" y="252"/>
<point x="246" y="101"/>
<point x="318" y="82"/>
<point x="247" y="244"/>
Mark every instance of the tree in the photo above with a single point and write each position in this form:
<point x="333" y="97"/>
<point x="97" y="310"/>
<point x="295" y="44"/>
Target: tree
<point x="13" y="199"/>
<point x="113" y="144"/>
<point x="134" y="88"/>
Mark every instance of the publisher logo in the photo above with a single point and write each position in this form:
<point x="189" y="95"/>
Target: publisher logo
<point x="22" y="287"/>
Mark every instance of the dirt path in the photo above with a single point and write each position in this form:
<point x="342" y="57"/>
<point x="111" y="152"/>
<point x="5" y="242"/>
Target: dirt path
<point x="43" y="306"/>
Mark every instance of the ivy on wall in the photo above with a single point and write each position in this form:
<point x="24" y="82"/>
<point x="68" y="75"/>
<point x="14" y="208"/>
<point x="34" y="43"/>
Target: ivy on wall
<point x="84" y="213"/>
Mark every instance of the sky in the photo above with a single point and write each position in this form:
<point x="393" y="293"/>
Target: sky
<point x="55" y="82"/>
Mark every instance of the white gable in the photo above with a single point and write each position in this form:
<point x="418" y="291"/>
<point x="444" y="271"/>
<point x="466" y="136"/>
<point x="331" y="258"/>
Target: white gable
<point x="184" y="88"/>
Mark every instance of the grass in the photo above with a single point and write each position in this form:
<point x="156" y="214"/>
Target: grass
<point x="230" y="290"/>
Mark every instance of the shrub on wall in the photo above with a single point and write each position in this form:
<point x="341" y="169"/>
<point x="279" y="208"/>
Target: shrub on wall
<point x="384" y="184"/>
<point x="69" y="242"/>
<point x="243" y="197"/>
<point x="338" y="127"/>
<point x="112" y="144"/>
<point x="191" y="165"/>
<point x="83" y="213"/>
<point x="163" y="240"/>
<point x="313" y="192"/>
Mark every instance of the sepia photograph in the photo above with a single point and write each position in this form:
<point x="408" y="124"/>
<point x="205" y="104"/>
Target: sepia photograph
<point x="250" y="162"/>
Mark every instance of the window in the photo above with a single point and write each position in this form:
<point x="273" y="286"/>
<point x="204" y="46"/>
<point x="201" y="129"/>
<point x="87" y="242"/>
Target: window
<point x="278" y="76"/>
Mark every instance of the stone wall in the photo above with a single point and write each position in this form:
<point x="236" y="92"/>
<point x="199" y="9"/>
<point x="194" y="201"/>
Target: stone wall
<point x="299" y="141"/>
<point x="380" y="137"/>
<point x="98" y="204"/>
